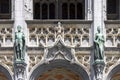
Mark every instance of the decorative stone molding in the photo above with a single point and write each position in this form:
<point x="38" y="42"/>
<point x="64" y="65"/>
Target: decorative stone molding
<point x="112" y="58"/>
<point x="6" y="38"/>
<point x="7" y="60"/>
<point x="112" y="34"/>
<point x="34" y="60"/>
<point x="84" y="59"/>
<point x="46" y="34"/>
<point x="72" y="34"/>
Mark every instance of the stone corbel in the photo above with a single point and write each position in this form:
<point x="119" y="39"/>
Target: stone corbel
<point x="20" y="71"/>
<point x="98" y="69"/>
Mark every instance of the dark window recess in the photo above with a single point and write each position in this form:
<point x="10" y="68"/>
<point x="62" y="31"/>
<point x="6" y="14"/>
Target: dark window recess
<point x="44" y="11"/>
<point x="51" y="11"/>
<point x="111" y="6"/>
<point x="37" y="11"/>
<point x="4" y="4"/>
<point x="79" y="11"/>
<point x="64" y="11"/>
<point x="72" y="11"/>
<point x="5" y="9"/>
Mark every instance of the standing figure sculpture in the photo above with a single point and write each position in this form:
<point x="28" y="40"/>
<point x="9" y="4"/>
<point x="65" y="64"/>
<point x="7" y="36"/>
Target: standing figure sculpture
<point x="19" y="44"/>
<point x="99" y="46"/>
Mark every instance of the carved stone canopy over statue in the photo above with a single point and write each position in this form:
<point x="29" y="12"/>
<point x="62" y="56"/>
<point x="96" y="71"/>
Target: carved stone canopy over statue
<point x="19" y="44"/>
<point x="99" y="46"/>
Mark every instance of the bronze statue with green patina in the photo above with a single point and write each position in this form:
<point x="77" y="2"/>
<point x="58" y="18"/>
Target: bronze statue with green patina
<point x="99" y="46"/>
<point x="19" y="44"/>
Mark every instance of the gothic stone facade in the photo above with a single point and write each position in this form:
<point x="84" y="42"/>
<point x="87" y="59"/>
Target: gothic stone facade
<point x="59" y="38"/>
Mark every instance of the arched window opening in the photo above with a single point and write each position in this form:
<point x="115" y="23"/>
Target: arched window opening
<point x="72" y="11"/>
<point x="52" y="11"/>
<point x="5" y="9"/>
<point x="79" y="11"/>
<point x="64" y="11"/>
<point x="44" y="11"/>
<point x="36" y="11"/>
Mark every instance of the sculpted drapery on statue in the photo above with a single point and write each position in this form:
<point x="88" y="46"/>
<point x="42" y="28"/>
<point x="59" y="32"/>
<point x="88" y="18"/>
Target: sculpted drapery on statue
<point x="99" y="46"/>
<point x="19" y="44"/>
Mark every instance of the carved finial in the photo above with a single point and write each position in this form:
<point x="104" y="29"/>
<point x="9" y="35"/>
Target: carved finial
<point x="59" y="24"/>
<point x="59" y="29"/>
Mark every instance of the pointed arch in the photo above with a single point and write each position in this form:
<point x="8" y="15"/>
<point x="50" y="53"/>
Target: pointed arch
<point x="113" y="72"/>
<point x="40" y="69"/>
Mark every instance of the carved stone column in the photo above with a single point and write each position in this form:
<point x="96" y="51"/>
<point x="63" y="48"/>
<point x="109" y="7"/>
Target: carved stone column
<point x="20" y="71"/>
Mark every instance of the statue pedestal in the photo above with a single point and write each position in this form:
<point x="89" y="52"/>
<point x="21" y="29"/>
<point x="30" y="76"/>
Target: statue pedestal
<point x="20" y="70"/>
<point x="98" y="69"/>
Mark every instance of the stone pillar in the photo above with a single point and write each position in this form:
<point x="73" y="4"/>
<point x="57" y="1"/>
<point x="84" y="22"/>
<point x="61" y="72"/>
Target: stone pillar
<point x="19" y="14"/>
<point x="99" y="15"/>
<point x="88" y="9"/>
<point x="20" y="67"/>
